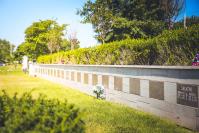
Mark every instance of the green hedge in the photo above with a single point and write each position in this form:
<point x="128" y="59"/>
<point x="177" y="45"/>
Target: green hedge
<point x="174" y="47"/>
<point x="25" y="114"/>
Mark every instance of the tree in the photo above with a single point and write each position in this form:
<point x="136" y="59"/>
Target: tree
<point x="141" y="10"/>
<point x="6" y="50"/>
<point x="42" y="37"/>
<point x="124" y="29"/>
<point x="29" y="49"/>
<point x="105" y="16"/>
<point x="99" y="15"/>
<point x="190" y="21"/>
<point x="73" y="41"/>
<point x="172" y="9"/>
<point x="55" y="39"/>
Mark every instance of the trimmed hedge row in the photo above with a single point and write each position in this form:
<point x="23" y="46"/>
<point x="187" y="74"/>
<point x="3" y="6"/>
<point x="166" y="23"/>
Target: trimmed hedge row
<point x="173" y="47"/>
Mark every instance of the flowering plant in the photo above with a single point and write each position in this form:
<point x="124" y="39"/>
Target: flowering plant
<point x="98" y="90"/>
<point x="196" y="60"/>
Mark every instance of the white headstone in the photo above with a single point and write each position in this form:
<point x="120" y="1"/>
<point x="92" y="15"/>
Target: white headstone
<point x="25" y="63"/>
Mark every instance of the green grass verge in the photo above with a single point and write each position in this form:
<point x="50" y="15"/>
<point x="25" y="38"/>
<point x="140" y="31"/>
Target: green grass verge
<point x="99" y="115"/>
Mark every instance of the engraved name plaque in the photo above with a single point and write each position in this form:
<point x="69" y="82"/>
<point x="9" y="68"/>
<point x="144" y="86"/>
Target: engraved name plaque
<point x="187" y="95"/>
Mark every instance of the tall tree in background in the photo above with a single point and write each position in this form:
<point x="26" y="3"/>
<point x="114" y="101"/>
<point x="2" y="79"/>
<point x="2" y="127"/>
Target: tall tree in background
<point x="27" y="49"/>
<point x="105" y="15"/>
<point x="41" y="38"/>
<point x="6" y="50"/>
<point x="141" y="10"/>
<point x="54" y="37"/>
<point x="74" y="42"/>
<point x="172" y="9"/>
<point x="99" y="15"/>
<point x="126" y="29"/>
<point x="190" y="21"/>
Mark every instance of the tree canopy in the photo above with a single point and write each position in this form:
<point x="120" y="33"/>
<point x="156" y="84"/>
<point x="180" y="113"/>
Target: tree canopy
<point x="43" y="37"/>
<point x="6" y="49"/>
<point x="120" y="19"/>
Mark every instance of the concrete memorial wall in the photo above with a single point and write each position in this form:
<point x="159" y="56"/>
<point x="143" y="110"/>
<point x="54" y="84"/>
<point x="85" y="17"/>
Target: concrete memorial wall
<point x="167" y="91"/>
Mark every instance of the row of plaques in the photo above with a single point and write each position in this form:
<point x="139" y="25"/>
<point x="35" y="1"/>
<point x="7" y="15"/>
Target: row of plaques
<point x="186" y="94"/>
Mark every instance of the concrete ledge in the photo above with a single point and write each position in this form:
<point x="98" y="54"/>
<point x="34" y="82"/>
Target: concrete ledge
<point x="180" y="72"/>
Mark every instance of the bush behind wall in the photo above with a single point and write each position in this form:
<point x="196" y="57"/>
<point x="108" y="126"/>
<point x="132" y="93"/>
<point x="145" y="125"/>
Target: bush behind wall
<point x="173" y="47"/>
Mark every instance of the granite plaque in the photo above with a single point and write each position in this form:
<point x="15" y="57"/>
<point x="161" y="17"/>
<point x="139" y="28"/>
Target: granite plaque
<point x="118" y="83"/>
<point x="48" y="71"/>
<point x="78" y="77"/>
<point x="94" y="79"/>
<point x="67" y="75"/>
<point x="73" y="76"/>
<point x="134" y="86"/>
<point x="187" y="95"/>
<point x="62" y="73"/>
<point x="58" y="73"/>
<point x="54" y="72"/>
<point x="85" y="78"/>
<point x="105" y="81"/>
<point x="156" y="90"/>
<point x="51" y="72"/>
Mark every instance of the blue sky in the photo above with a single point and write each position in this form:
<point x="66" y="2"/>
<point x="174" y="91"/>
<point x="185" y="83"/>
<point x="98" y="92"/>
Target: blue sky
<point x="17" y="15"/>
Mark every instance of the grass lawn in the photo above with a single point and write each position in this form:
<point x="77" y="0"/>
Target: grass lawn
<point x="100" y="116"/>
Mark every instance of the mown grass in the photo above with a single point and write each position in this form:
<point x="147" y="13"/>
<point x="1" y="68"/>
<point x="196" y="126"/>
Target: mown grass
<point x="100" y="116"/>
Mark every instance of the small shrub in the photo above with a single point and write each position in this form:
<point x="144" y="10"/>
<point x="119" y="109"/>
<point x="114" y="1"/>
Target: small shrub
<point x="25" y="114"/>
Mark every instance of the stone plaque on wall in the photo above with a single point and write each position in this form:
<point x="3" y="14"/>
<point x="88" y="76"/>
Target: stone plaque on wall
<point x="118" y="83"/>
<point x="94" y="79"/>
<point x="58" y="73"/>
<point x="48" y="71"/>
<point x="67" y="75"/>
<point x="85" y="78"/>
<point x="51" y="72"/>
<point x="105" y="81"/>
<point x="134" y="86"/>
<point x="62" y="74"/>
<point x="156" y="90"/>
<point x="78" y="77"/>
<point x="187" y="95"/>
<point x="72" y="76"/>
<point x="54" y="72"/>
